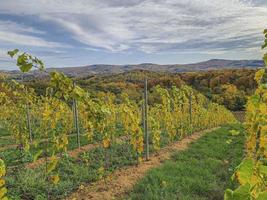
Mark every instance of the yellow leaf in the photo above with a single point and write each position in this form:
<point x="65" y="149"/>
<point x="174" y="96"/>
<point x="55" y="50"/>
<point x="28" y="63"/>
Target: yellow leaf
<point x="258" y="75"/>
<point x="2" y="182"/>
<point x="54" y="179"/>
<point x="2" y="168"/>
<point x="106" y="143"/>
<point x="52" y="165"/>
<point x="244" y="171"/>
<point x="3" y="192"/>
<point x="81" y="187"/>
<point x="163" y="184"/>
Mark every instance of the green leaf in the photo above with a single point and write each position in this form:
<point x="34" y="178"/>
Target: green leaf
<point x="242" y="192"/>
<point x="229" y="141"/>
<point x="265" y="31"/>
<point x="244" y="171"/>
<point x="23" y="64"/>
<point x="262" y="196"/>
<point x="58" y="94"/>
<point x="78" y="92"/>
<point x="52" y="165"/>
<point x="3" y="192"/>
<point x="255" y="99"/>
<point x="22" y="59"/>
<point x="26" y="67"/>
<point x="13" y="53"/>
<point x="263" y="170"/>
<point x="234" y="132"/>
<point x="228" y="195"/>
<point x="36" y="156"/>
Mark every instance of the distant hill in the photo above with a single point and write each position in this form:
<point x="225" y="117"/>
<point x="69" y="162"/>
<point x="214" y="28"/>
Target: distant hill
<point x="85" y="71"/>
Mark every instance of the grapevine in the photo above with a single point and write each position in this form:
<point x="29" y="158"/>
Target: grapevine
<point x="251" y="174"/>
<point x="176" y="113"/>
<point x="3" y="189"/>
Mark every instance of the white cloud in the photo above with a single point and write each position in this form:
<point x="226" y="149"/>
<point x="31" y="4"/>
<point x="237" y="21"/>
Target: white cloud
<point x="19" y="34"/>
<point x="149" y="25"/>
<point x="3" y="55"/>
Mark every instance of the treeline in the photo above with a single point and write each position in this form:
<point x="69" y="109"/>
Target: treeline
<point x="226" y="87"/>
<point x="229" y="87"/>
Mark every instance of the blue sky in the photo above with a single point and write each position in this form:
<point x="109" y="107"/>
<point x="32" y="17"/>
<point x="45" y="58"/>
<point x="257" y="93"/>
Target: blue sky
<point x="80" y="32"/>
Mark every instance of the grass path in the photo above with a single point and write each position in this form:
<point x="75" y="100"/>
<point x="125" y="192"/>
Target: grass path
<point x="121" y="181"/>
<point x="202" y="172"/>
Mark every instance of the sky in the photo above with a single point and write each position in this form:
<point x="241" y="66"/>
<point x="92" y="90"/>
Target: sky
<point x="67" y="33"/>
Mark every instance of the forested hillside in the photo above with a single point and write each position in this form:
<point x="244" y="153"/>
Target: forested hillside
<point x="229" y="87"/>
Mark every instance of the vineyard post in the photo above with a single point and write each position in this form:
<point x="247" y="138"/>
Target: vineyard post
<point x="76" y="114"/>
<point x="29" y="121"/>
<point x="143" y="116"/>
<point x="258" y="138"/>
<point x="28" y="117"/>
<point x="190" y="108"/>
<point x="73" y="114"/>
<point x="143" y="120"/>
<point x="145" y="124"/>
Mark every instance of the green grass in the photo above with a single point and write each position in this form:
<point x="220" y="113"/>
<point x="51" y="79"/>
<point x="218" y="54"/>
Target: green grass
<point x="13" y="157"/>
<point x="31" y="183"/>
<point x="3" y="132"/>
<point x="5" y="138"/>
<point x="4" y="141"/>
<point x="200" y="173"/>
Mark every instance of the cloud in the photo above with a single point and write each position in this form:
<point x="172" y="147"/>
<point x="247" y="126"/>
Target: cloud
<point x="19" y="34"/>
<point x="149" y="26"/>
<point x="3" y="55"/>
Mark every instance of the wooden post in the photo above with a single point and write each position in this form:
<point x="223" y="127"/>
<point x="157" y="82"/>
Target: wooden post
<point x="76" y="114"/>
<point x="146" y="122"/>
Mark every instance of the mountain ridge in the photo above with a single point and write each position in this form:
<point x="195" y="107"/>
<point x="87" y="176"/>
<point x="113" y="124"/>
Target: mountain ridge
<point x="87" y="70"/>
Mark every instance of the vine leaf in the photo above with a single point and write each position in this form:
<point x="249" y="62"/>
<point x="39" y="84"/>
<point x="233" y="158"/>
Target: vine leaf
<point x="55" y="179"/>
<point x="241" y="193"/>
<point x="3" y="192"/>
<point x="36" y="156"/>
<point x="244" y="171"/>
<point x="228" y="195"/>
<point x="2" y="168"/>
<point x="52" y="165"/>
<point x="234" y="132"/>
<point x="263" y="170"/>
<point x="262" y="196"/>
<point x="13" y="53"/>
<point x="23" y="64"/>
<point x="2" y="182"/>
